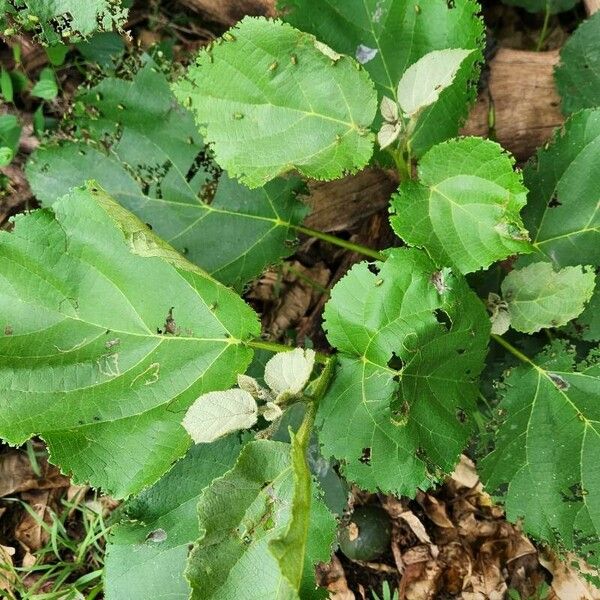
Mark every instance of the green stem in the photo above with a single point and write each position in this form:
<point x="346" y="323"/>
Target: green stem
<point x="514" y="351"/>
<point x="542" y="37"/>
<point x="324" y="379"/>
<point x="332" y="239"/>
<point x="259" y="344"/>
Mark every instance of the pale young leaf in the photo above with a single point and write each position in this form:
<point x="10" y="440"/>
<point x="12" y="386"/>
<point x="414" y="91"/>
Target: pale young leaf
<point x="288" y="372"/>
<point x="250" y="385"/>
<point x="423" y="81"/>
<point x="272" y="411"/>
<point x="388" y="134"/>
<point x="389" y="110"/>
<point x="216" y="414"/>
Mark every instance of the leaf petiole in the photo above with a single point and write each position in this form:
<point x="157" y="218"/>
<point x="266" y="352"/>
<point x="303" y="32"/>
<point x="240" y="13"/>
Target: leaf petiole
<point x="514" y="351"/>
<point x="332" y="239"/>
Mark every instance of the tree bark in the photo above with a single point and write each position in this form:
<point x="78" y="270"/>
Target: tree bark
<point x="229" y="12"/>
<point x="523" y="100"/>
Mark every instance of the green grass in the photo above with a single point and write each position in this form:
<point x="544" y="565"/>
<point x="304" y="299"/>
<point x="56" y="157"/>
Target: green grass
<point x="67" y="567"/>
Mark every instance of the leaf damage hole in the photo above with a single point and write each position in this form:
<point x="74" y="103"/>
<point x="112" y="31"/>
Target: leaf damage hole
<point x="443" y="318"/>
<point x="554" y="202"/>
<point x="365" y="457"/>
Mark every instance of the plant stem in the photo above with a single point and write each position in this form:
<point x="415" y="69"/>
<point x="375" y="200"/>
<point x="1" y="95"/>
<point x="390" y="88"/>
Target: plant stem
<point x="542" y="37"/>
<point x="259" y="344"/>
<point x="332" y="239"/>
<point x="514" y="351"/>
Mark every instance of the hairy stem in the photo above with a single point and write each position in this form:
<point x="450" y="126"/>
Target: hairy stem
<point x="332" y="239"/>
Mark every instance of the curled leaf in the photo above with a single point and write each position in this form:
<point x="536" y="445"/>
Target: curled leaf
<point x="288" y="372"/>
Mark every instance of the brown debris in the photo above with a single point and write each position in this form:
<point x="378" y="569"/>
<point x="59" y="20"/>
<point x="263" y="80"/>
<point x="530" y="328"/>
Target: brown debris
<point x="17" y="475"/>
<point x="287" y="295"/>
<point x="454" y="542"/>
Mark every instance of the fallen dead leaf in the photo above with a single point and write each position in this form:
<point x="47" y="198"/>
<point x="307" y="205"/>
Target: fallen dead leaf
<point x="29" y="531"/>
<point x="7" y="576"/>
<point x="17" y="475"/>
<point x="567" y="583"/>
<point x="288" y="295"/>
<point x="331" y="576"/>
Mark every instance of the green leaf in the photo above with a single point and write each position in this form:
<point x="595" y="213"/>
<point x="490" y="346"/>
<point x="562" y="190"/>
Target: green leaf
<point x="424" y="81"/>
<point x="46" y="87"/>
<point x="588" y="323"/>
<point x="562" y="209"/>
<point x="538" y="6"/>
<point x="147" y="154"/>
<point x="272" y="100"/>
<point x="464" y="210"/>
<point x="545" y="461"/>
<point x="55" y="21"/>
<point x="85" y="290"/>
<point x="537" y="296"/>
<point x="137" y="567"/>
<point x="290" y="548"/>
<point x="412" y="341"/>
<point x="6" y="85"/>
<point x="390" y="36"/>
<point x="10" y="135"/>
<point x="578" y="74"/>
<point x="253" y="509"/>
<point x="216" y="414"/>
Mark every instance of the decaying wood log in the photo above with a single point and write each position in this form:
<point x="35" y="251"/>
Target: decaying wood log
<point x="229" y="12"/>
<point x="524" y="100"/>
<point x="592" y="6"/>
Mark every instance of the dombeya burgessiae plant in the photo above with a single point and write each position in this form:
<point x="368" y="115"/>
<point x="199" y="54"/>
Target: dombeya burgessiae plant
<point x="122" y="345"/>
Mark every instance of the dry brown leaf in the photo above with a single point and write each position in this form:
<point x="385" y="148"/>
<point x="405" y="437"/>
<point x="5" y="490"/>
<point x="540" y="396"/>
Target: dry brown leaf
<point x="288" y="295"/>
<point x="16" y="474"/>
<point x="416" y="526"/>
<point x="7" y="576"/>
<point x="567" y="583"/>
<point x="465" y="474"/>
<point x="331" y="576"/>
<point x="435" y="510"/>
<point x="29" y="531"/>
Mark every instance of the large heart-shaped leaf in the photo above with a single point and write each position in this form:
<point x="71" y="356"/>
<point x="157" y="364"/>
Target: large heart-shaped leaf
<point x="272" y="99"/>
<point x="545" y="461"/>
<point x="464" y="210"/>
<point x="562" y="212"/>
<point x="109" y="336"/>
<point x="144" y="150"/>
<point x="412" y="340"/>
<point x="388" y="36"/>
